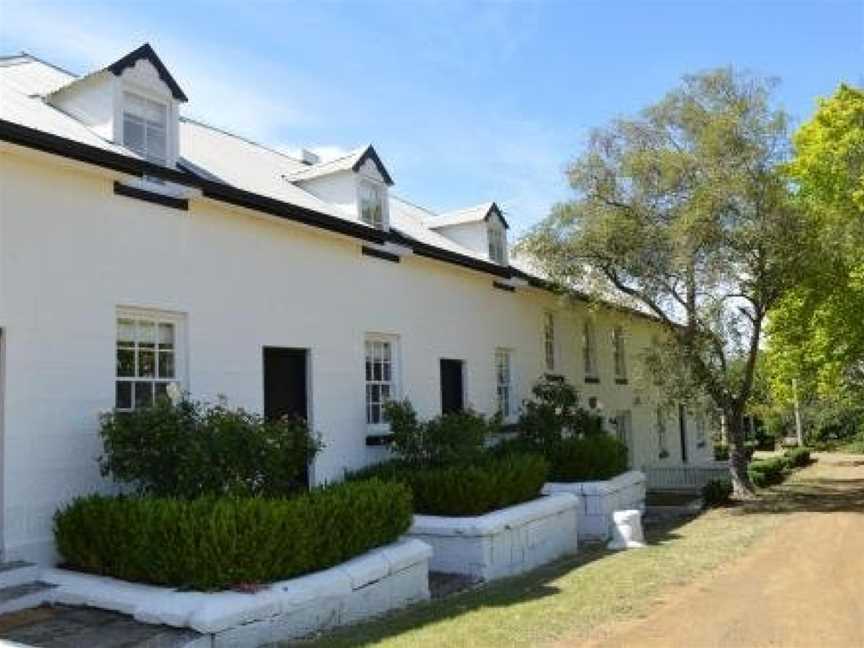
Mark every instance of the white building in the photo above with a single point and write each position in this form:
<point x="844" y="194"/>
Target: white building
<point x="139" y="248"/>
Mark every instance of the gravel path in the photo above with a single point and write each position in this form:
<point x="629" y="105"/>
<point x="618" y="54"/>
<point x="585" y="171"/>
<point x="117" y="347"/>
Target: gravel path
<point x="802" y="585"/>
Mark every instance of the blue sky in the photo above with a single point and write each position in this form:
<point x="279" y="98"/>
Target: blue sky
<point x="464" y="101"/>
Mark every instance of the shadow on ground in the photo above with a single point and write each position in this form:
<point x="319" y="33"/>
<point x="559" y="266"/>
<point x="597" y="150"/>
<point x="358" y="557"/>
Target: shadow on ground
<point x="537" y="584"/>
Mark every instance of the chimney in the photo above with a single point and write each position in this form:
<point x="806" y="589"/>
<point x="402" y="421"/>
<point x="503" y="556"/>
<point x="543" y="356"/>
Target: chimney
<point x="308" y="157"/>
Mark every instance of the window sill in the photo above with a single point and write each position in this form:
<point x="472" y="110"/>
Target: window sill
<point x="151" y="196"/>
<point x="591" y="380"/>
<point x="380" y="254"/>
<point x="621" y="381"/>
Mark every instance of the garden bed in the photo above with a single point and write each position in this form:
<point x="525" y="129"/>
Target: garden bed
<point x="502" y="543"/>
<point x="599" y="499"/>
<point x="380" y="580"/>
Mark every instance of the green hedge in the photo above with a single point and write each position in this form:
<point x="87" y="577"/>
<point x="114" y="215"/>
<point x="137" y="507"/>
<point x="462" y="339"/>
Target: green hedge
<point x="216" y="543"/>
<point x="464" y="490"/>
<point x="766" y="472"/>
<point x="576" y="459"/>
<point x="798" y="457"/>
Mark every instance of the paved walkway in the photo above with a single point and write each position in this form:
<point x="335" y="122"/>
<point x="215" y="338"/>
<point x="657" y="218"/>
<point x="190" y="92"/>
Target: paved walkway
<point x="801" y="586"/>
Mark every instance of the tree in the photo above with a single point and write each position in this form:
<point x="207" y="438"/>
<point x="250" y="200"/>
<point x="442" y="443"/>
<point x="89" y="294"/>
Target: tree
<point x="816" y="334"/>
<point x="683" y="212"/>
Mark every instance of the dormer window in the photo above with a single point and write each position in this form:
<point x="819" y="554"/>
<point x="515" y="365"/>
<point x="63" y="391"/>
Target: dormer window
<point x="372" y="204"/>
<point x="145" y="127"/>
<point x="497" y="242"/>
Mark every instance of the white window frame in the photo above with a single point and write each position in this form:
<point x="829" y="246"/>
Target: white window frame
<point x="380" y="191"/>
<point x="497" y="240"/>
<point x="154" y="318"/>
<point x="504" y="389"/>
<point x="166" y="128"/>
<point x="589" y="351"/>
<point x="619" y="353"/>
<point x="624" y="433"/>
<point x="549" y="342"/>
<point x="394" y="383"/>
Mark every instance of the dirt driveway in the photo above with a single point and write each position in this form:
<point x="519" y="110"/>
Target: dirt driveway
<point x="802" y="585"/>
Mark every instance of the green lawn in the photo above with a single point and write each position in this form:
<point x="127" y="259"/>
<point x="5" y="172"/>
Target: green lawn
<point x="571" y="597"/>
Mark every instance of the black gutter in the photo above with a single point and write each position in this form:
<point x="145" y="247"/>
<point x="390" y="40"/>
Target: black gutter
<point x="54" y="144"/>
<point x="48" y="143"/>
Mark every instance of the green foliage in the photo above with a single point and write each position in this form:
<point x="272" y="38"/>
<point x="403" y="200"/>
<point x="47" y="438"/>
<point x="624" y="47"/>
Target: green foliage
<point x="797" y="457"/>
<point x="493" y="483"/>
<point x="717" y="492"/>
<point x="217" y="543"/>
<point x="767" y="472"/>
<point x="192" y="450"/>
<point x="817" y="335"/>
<point x="455" y="438"/>
<point x="721" y="452"/>
<point x="684" y="209"/>
<point x="570" y="437"/>
<point x="554" y="414"/>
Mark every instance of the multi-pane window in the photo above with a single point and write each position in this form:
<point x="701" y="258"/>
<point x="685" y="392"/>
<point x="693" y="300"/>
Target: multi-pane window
<point x="549" y="340"/>
<point x="589" y="350"/>
<point x="661" y="432"/>
<point x="145" y="127"/>
<point x="146" y="359"/>
<point x="619" y="354"/>
<point x="371" y="204"/>
<point x="380" y="377"/>
<point x="497" y="242"/>
<point x="503" y="381"/>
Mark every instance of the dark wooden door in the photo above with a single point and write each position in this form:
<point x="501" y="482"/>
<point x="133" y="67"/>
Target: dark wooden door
<point x="284" y="383"/>
<point x="682" y="423"/>
<point x="452" y="393"/>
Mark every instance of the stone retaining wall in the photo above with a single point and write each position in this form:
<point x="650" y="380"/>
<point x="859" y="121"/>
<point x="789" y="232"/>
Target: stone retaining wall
<point x="599" y="499"/>
<point x="383" y="579"/>
<point x="502" y="543"/>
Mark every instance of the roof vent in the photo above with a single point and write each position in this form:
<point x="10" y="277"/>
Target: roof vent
<point x="308" y="157"/>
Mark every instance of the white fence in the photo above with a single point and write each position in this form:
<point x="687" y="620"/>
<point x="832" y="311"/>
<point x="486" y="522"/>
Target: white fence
<point x="684" y="477"/>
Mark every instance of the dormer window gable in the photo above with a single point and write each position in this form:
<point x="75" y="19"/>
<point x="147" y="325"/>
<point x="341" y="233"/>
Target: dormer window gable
<point x="357" y="183"/>
<point x="133" y="102"/>
<point x="482" y="228"/>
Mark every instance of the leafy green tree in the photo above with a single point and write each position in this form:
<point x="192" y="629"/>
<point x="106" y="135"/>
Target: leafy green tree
<point x="817" y="332"/>
<point x="682" y="211"/>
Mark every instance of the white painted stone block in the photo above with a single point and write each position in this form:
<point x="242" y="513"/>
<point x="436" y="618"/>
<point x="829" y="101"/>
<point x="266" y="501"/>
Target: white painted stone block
<point x="601" y="499"/>
<point x="502" y="543"/>
<point x="627" y="530"/>
<point x="383" y="579"/>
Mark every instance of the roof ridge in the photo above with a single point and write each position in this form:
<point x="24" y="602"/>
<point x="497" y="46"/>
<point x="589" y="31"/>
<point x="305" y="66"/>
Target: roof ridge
<point x="243" y="138"/>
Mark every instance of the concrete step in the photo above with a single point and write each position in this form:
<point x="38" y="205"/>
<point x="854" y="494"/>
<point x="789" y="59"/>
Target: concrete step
<point x="17" y="572"/>
<point x="24" y="595"/>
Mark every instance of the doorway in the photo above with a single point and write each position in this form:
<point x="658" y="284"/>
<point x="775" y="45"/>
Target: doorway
<point x="285" y="383"/>
<point x="682" y="424"/>
<point x="452" y="386"/>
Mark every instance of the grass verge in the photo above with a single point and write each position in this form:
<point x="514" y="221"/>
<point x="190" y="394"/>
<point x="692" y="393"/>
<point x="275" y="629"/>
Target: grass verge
<point x="572" y="597"/>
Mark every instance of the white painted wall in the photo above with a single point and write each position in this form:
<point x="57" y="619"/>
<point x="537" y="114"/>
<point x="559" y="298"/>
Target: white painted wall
<point x="90" y="101"/>
<point x="71" y="252"/>
<point x="473" y="236"/>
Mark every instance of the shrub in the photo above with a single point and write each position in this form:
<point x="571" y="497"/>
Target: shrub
<point x="554" y="413"/>
<point x="215" y="543"/>
<point x="717" y="492"/>
<point x="798" y="457"/>
<point x="766" y="472"/>
<point x="461" y="490"/>
<point x="721" y="452"/>
<point x="455" y="438"/>
<point x="574" y="459"/>
<point x="192" y="449"/>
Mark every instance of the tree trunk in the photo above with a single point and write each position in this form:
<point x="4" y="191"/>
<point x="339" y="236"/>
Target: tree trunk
<point x="741" y="485"/>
